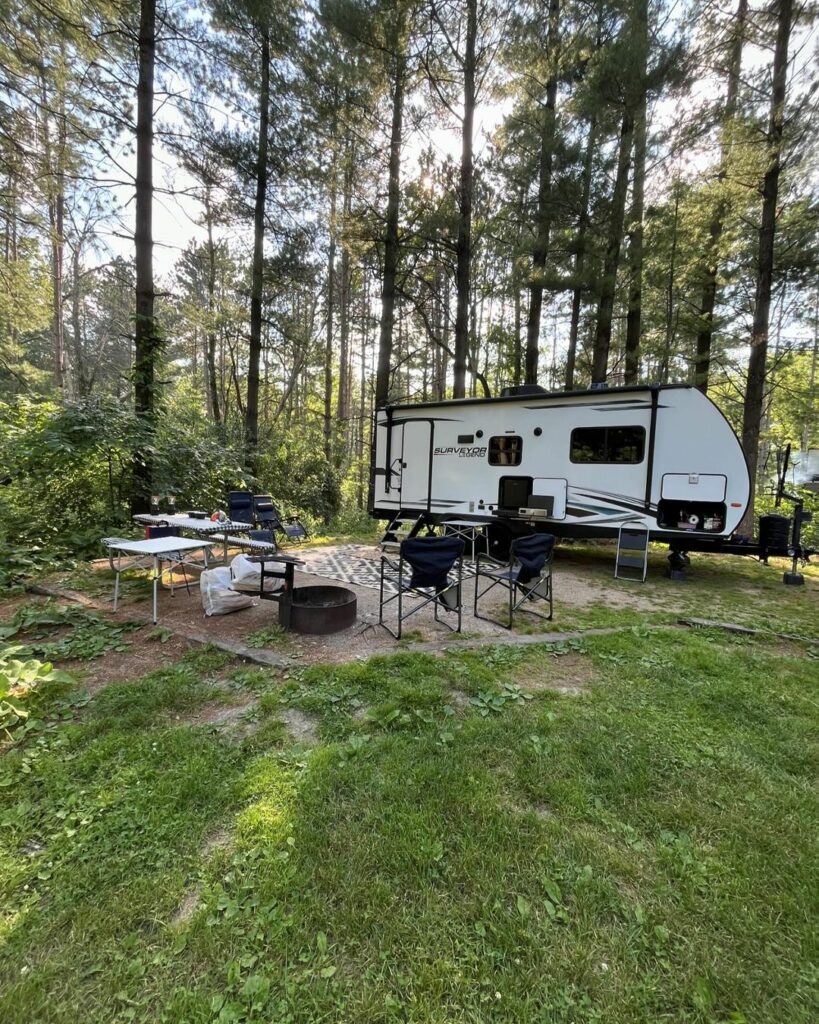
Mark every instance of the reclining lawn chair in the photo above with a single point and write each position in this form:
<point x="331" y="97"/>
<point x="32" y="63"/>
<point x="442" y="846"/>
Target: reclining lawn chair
<point x="268" y="517"/>
<point x="436" y="575"/>
<point x="240" y="507"/>
<point x="527" y="575"/>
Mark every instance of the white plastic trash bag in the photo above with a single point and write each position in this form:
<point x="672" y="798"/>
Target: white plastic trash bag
<point x="247" y="576"/>
<point x="217" y="596"/>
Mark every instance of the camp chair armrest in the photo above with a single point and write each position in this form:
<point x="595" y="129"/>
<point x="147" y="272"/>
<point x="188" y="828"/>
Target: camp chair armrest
<point x="395" y="566"/>
<point x="490" y="559"/>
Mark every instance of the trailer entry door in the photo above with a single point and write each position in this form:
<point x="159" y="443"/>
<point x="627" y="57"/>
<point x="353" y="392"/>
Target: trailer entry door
<point x="416" y="464"/>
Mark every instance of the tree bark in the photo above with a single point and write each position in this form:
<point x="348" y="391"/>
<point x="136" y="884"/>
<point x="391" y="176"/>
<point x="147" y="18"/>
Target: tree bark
<point x="344" y="373"/>
<point x="255" y="346"/>
<point x="210" y="351"/>
<point x="540" y="249"/>
<point x="755" y="391"/>
<point x="331" y="298"/>
<point x="54" y="157"/>
<point x="382" y="377"/>
<point x="517" y="349"/>
<point x="146" y="333"/>
<point x="464" y="240"/>
<point x="705" y="334"/>
<point x="635" y="251"/>
<point x="580" y="254"/>
<point x="81" y="383"/>
<point x="605" y="308"/>
<point x="670" y="291"/>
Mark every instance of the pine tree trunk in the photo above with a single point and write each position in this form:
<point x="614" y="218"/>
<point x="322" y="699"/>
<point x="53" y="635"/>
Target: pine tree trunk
<point x="702" y="366"/>
<point x="517" y="354"/>
<point x="81" y="383"/>
<point x="463" y="250"/>
<point x="362" y="392"/>
<point x="331" y="299"/>
<point x="635" y="252"/>
<point x="54" y="156"/>
<point x="255" y="347"/>
<point x="670" y="291"/>
<point x="344" y="303"/>
<point x="385" y="340"/>
<point x="146" y="334"/>
<point x="755" y="390"/>
<point x="580" y="254"/>
<point x="210" y="351"/>
<point x="540" y="249"/>
<point x="808" y="423"/>
<point x="605" y="308"/>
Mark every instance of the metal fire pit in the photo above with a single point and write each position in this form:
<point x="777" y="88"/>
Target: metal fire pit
<point x="318" y="610"/>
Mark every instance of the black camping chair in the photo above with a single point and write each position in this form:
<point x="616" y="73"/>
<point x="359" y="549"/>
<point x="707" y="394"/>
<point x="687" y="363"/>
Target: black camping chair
<point x="240" y="507"/>
<point x="436" y="575"/>
<point x="268" y="517"/>
<point x="527" y="575"/>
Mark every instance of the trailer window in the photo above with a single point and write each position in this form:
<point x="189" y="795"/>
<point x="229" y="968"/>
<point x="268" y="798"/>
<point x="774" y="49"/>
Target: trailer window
<point x="506" y="450"/>
<point x="623" y="445"/>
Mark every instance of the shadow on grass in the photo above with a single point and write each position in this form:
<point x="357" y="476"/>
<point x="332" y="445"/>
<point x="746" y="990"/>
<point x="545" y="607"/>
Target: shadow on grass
<point x="638" y="852"/>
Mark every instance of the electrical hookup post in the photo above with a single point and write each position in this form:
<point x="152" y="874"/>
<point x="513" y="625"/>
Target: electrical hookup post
<point x="794" y="578"/>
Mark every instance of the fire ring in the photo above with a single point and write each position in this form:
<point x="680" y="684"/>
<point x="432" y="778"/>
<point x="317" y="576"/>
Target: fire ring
<point x="319" y="610"/>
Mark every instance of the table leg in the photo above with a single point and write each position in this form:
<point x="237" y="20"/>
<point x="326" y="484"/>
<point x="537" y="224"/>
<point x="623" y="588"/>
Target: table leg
<point x="286" y="599"/>
<point x="156" y="583"/>
<point x="116" y="586"/>
<point x="224" y="555"/>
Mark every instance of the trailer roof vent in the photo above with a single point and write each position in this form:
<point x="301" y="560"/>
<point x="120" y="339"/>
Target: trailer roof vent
<point x="517" y="390"/>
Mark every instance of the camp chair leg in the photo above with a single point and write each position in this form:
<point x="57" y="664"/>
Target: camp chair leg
<point x="400" y="600"/>
<point x="395" y="597"/>
<point x="482" y="593"/>
<point x="531" y="594"/>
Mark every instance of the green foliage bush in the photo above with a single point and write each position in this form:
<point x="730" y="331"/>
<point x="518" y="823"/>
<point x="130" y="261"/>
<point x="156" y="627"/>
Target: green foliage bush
<point x="67" y="475"/>
<point x="26" y="686"/>
<point x="295" y="471"/>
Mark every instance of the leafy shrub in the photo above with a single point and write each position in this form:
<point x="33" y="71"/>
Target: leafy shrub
<point x="23" y="685"/>
<point x="89" y="636"/>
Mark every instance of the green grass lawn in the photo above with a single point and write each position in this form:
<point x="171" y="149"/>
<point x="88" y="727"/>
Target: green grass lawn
<point x="459" y="842"/>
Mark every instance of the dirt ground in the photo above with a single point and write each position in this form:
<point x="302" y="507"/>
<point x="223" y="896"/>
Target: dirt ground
<point x="581" y="580"/>
<point x="182" y="613"/>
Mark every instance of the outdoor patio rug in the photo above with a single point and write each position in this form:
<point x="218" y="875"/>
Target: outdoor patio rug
<point x="352" y="563"/>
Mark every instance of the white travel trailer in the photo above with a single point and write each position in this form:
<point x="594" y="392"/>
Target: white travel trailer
<point x="576" y="464"/>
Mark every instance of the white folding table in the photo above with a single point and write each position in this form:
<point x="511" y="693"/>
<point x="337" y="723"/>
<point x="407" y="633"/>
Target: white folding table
<point x="150" y="554"/>
<point x="468" y="530"/>
<point x="205" y="527"/>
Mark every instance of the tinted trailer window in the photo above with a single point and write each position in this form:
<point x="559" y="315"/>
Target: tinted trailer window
<point x="608" y="445"/>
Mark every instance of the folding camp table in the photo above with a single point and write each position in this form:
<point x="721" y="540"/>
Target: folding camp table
<point x="468" y="530"/>
<point x="204" y="527"/>
<point x="150" y="554"/>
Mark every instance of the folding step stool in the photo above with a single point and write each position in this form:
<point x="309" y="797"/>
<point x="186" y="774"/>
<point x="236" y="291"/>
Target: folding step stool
<point x="632" y="552"/>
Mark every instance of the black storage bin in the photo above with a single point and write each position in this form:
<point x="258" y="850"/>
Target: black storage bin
<point x="774" y="531"/>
